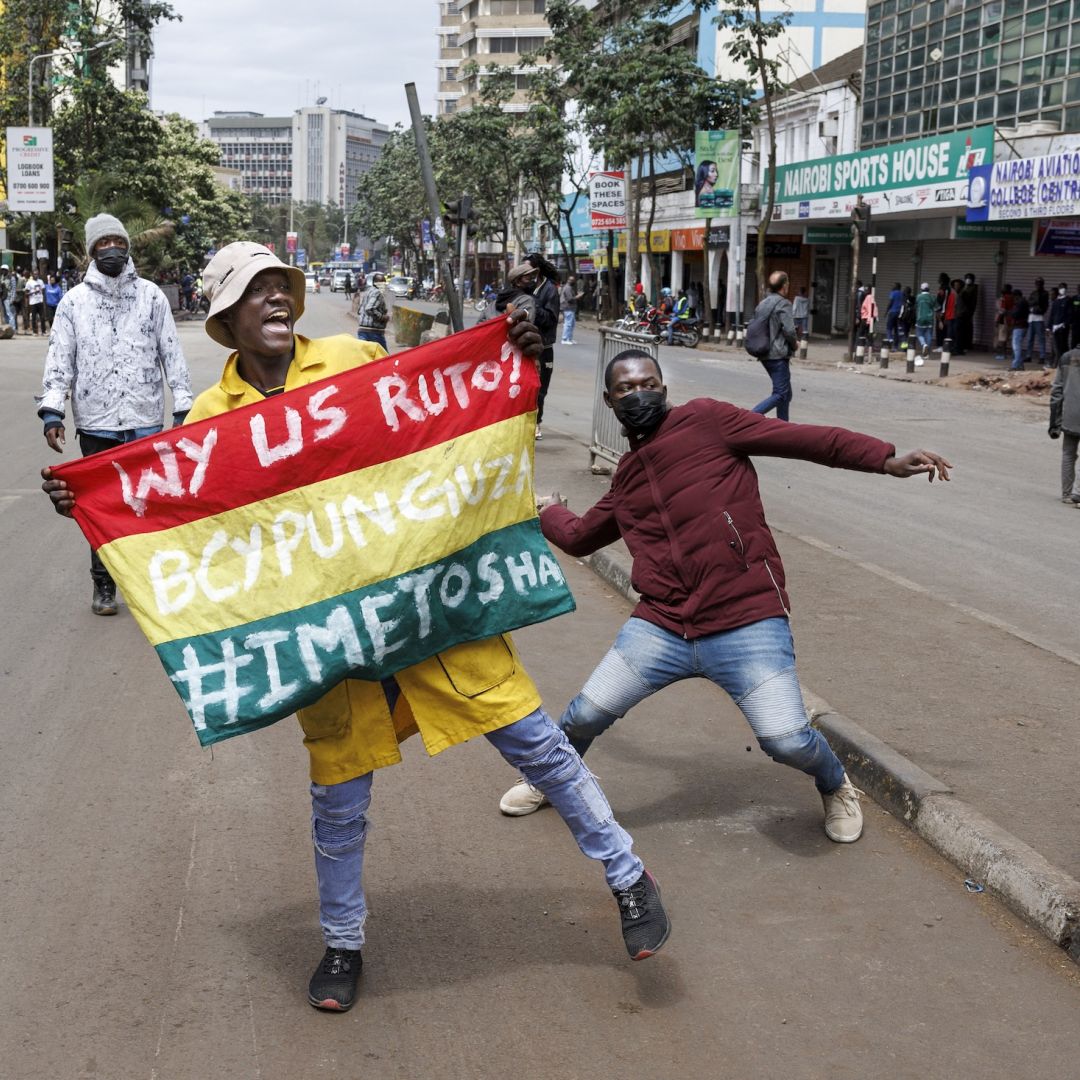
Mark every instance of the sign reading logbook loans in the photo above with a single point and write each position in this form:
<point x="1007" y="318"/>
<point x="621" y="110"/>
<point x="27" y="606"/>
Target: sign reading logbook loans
<point x="349" y="528"/>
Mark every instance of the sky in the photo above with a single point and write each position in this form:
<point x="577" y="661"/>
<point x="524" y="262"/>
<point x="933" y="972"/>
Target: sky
<point x="270" y="56"/>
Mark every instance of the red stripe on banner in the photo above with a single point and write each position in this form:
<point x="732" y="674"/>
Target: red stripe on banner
<point x="325" y="429"/>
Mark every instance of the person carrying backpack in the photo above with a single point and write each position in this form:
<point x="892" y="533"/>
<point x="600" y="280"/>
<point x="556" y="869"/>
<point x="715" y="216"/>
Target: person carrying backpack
<point x="770" y="336"/>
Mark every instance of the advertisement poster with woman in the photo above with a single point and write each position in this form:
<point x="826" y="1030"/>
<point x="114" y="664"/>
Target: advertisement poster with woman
<point x="716" y="177"/>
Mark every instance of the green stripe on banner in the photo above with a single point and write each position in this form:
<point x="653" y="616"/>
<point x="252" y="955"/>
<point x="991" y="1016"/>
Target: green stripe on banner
<point x="247" y="677"/>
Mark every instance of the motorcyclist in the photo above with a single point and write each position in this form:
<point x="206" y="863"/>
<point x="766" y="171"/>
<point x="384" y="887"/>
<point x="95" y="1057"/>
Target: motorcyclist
<point x="680" y="313"/>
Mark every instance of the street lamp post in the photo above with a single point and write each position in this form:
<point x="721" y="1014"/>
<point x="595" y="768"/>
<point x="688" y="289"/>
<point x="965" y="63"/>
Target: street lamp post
<point x="30" y="116"/>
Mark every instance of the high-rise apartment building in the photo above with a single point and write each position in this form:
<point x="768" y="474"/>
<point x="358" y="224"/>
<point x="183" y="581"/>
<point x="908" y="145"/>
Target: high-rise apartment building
<point x="485" y="32"/>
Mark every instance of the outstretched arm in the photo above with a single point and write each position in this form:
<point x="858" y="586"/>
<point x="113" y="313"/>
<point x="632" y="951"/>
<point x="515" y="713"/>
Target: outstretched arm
<point x="917" y="462"/>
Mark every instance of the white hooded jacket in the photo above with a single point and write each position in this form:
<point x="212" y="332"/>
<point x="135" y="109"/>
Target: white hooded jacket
<point x="111" y="340"/>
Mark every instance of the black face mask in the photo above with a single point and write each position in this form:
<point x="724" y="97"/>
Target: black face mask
<point x="641" y="412"/>
<point x="111" y="261"/>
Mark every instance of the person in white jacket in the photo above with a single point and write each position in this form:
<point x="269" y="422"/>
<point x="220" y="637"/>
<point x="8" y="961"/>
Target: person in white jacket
<point x="113" y="346"/>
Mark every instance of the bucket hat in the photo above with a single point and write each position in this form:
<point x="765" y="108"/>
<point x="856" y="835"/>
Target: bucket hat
<point x="230" y="272"/>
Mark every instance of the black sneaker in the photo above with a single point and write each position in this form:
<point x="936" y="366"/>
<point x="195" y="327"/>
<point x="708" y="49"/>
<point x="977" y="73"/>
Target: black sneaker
<point x="104" y="602"/>
<point x="645" y="925"/>
<point x="333" y="986"/>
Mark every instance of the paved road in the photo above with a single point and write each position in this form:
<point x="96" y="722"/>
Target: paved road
<point x="157" y="900"/>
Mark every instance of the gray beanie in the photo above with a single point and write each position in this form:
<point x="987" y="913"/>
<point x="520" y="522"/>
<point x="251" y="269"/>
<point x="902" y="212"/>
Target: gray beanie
<point x="101" y="226"/>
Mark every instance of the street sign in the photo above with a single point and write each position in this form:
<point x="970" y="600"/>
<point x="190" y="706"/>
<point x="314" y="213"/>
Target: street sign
<point x="607" y="200"/>
<point x="875" y="239"/>
<point x="30" y="169"/>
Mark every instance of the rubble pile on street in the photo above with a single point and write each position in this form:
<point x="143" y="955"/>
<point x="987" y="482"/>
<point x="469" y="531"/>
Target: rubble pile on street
<point x="1027" y="383"/>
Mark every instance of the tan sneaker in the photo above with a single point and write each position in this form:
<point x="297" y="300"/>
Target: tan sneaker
<point x="843" y="815"/>
<point x="522" y="799"/>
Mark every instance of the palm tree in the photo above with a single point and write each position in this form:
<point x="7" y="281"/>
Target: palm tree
<point x="96" y="194"/>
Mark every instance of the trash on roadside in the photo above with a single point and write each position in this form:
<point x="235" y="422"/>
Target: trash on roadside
<point x="973" y="886"/>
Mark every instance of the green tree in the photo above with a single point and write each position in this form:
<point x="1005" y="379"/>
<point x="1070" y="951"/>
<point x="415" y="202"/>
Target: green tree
<point x="751" y="45"/>
<point x="639" y="97"/>
<point x="390" y="197"/>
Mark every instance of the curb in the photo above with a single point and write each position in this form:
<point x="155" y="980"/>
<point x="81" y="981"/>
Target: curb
<point x="1036" y="890"/>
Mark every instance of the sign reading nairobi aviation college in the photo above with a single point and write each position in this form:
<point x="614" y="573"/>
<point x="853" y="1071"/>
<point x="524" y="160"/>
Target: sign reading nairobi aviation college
<point x="1036" y="187"/>
<point x="905" y="177"/>
<point x="348" y="528"/>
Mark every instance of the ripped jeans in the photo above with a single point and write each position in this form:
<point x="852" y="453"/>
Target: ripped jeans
<point x="755" y="664"/>
<point x="538" y="749"/>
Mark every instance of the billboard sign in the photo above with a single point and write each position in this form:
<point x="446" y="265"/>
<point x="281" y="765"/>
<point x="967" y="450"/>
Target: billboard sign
<point x="1047" y="186"/>
<point x="718" y="155"/>
<point x="30" y="169"/>
<point x="607" y="200"/>
<point x="909" y="177"/>
<point x="290" y="243"/>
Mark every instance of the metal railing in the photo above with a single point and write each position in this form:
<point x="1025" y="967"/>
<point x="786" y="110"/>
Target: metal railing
<point x="608" y="441"/>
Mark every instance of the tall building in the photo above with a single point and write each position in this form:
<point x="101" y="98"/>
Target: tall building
<point x="260" y="147"/>
<point x="485" y="32"/>
<point x="947" y="65"/>
<point x="818" y="32"/>
<point x="316" y="155"/>
<point x="332" y="149"/>
<point x="447" y="91"/>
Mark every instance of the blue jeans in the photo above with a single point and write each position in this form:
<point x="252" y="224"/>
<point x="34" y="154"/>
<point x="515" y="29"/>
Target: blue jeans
<point x="1018" y="335"/>
<point x="1037" y="333"/>
<point x="780" y="373"/>
<point x="925" y="334"/>
<point x="569" y="322"/>
<point x="130" y="435"/>
<point x="755" y="664"/>
<point x="534" y="746"/>
<point x="367" y="334"/>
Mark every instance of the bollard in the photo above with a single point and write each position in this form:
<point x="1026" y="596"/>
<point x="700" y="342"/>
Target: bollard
<point x="803" y="346"/>
<point x="886" y="350"/>
<point x="860" y="350"/>
<point x="731" y="335"/>
<point x="910" y="359"/>
<point x="946" y="356"/>
<point x="739" y="335"/>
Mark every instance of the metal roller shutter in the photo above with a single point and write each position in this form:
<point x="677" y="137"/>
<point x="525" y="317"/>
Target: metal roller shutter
<point x="959" y="257"/>
<point x="1022" y="268"/>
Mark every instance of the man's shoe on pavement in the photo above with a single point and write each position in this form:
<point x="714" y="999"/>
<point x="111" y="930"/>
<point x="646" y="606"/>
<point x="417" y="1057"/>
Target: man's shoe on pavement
<point x="522" y="799"/>
<point x="843" y="815"/>
<point x="104" y="602"/>
<point x="645" y="925"/>
<point x="333" y="986"/>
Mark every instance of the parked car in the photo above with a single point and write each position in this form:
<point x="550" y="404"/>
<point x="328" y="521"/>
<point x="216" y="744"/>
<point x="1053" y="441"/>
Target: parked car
<point x="399" y="285"/>
<point x="324" y="276"/>
<point x="338" y="280"/>
<point x="309" y="281"/>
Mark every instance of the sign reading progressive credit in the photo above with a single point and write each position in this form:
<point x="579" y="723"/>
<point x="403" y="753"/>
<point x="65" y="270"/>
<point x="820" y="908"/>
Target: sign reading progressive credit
<point x="348" y="528"/>
<point x="922" y="173"/>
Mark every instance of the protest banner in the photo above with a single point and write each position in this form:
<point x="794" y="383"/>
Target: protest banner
<point x="348" y="528"/>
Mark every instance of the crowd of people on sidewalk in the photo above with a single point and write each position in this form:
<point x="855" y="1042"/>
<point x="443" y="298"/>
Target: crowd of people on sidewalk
<point x="28" y="297"/>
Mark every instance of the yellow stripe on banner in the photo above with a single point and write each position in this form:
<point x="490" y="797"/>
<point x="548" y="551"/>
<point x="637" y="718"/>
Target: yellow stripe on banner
<point x="315" y="542"/>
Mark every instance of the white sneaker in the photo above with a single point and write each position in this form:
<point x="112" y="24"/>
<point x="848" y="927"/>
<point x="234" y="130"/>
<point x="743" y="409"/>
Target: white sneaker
<point x="843" y="815"/>
<point x="522" y="799"/>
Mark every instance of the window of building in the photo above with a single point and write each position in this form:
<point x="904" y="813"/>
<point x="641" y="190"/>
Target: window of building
<point x="984" y="109"/>
<point x="987" y="81"/>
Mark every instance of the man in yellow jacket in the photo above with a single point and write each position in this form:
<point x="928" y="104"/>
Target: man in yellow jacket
<point x="478" y="688"/>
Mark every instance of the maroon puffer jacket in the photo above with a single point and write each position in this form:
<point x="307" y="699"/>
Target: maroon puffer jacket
<point x="686" y="502"/>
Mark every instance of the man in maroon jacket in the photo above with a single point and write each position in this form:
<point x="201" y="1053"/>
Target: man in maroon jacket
<point x="685" y="500"/>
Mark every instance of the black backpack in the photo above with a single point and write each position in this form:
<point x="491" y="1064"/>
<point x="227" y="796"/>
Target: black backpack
<point x="759" y="335"/>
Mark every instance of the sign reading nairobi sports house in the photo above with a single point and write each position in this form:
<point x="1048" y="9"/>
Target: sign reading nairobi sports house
<point x="348" y="528"/>
<point x="904" y="177"/>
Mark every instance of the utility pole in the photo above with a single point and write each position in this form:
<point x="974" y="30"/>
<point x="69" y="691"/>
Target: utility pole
<point x="453" y="297"/>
